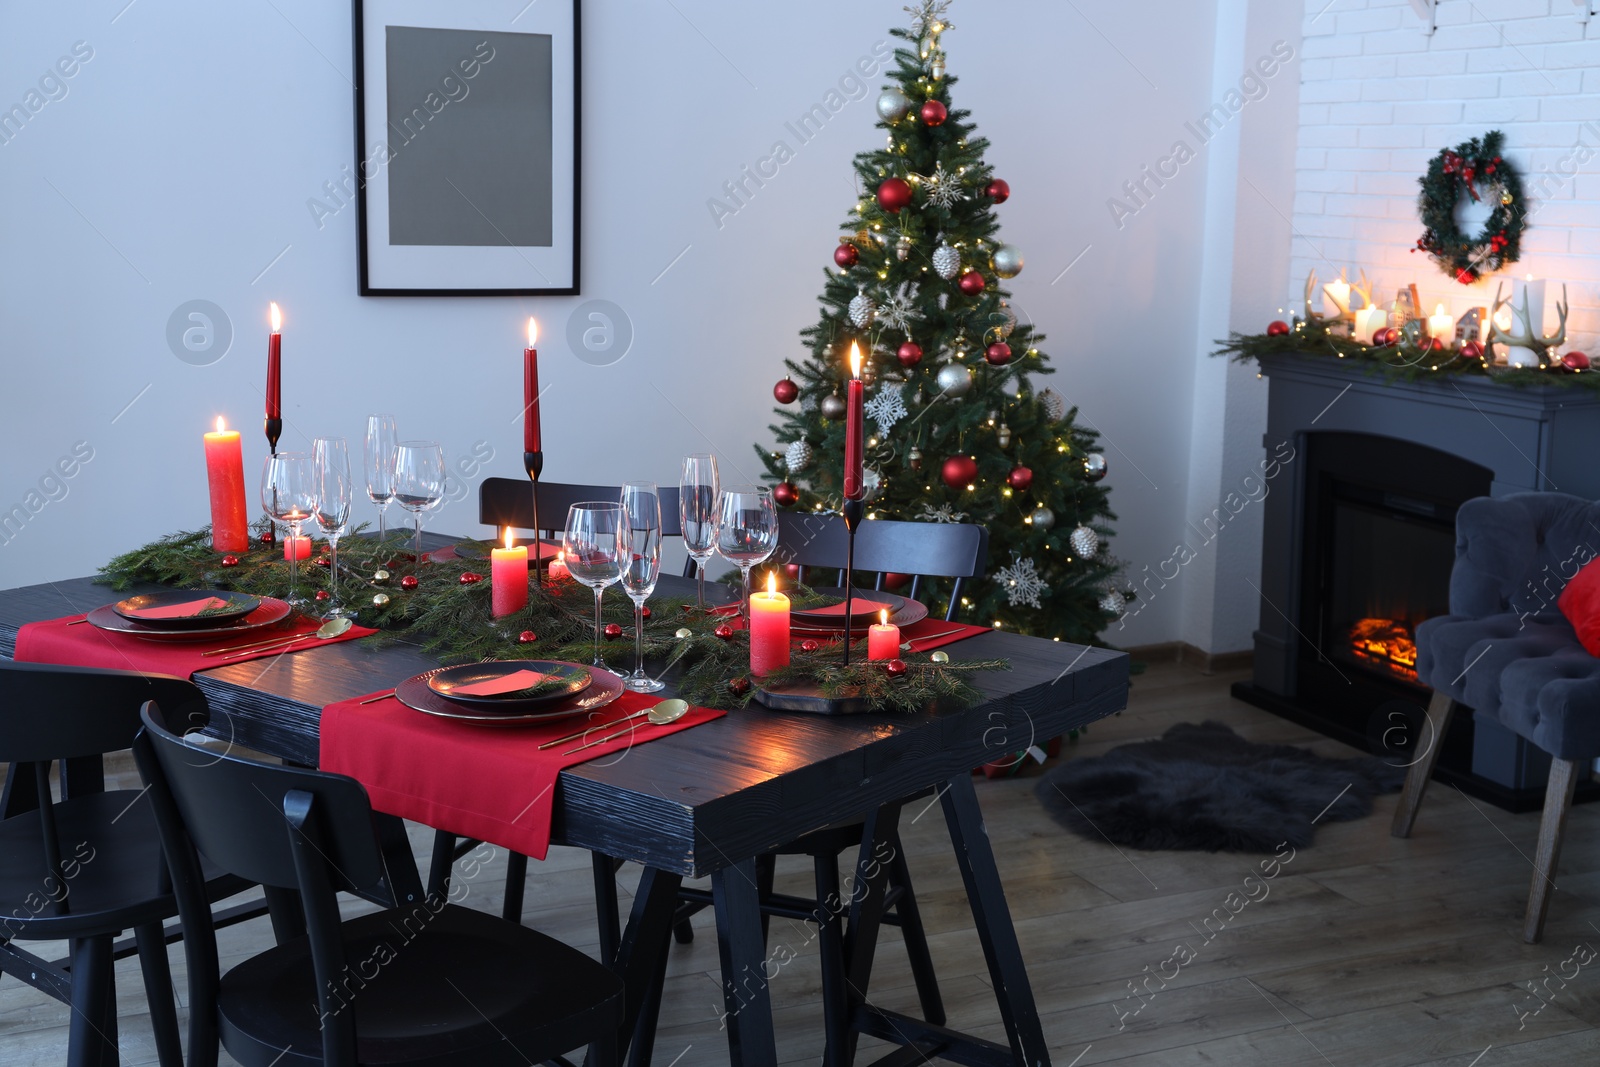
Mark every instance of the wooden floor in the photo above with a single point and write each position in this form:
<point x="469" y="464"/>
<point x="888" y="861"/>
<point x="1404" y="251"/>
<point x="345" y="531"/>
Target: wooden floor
<point x="1365" y="951"/>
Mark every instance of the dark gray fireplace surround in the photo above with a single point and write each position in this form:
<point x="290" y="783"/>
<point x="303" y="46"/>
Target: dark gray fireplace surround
<point x="1544" y="438"/>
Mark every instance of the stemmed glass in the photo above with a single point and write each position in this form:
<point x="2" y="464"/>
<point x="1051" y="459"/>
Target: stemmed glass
<point x="697" y="508"/>
<point x="747" y="530"/>
<point x="378" y="450"/>
<point x="593" y="544"/>
<point x="418" y="482"/>
<point x="330" y="472"/>
<point x="288" y="494"/>
<point x="640" y="552"/>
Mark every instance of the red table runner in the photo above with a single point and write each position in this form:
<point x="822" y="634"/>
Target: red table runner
<point x="490" y="783"/>
<point x="58" y="641"/>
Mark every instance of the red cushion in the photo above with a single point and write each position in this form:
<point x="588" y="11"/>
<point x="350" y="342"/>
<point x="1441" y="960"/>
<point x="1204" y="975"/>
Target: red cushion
<point x="1580" y="603"/>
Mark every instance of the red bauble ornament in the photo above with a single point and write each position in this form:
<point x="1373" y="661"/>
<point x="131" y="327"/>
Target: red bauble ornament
<point x="846" y="255"/>
<point x="1436" y="345"/>
<point x="1387" y="336"/>
<point x="971" y="283"/>
<point x="892" y="580"/>
<point x="527" y="637"/>
<point x="934" y="113"/>
<point x="894" y="194"/>
<point x="230" y="561"/>
<point x="408" y="582"/>
<point x="895" y="668"/>
<point x="791" y="571"/>
<point x="910" y="354"/>
<point x="470" y="578"/>
<point x="613" y="629"/>
<point x="785" y="494"/>
<point x="786" y="392"/>
<point x="1019" y="478"/>
<point x="997" y="190"/>
<point x="1470" y="350"/>
<point x="739" y="686"/>
<point x="998" y="354"/>
<point x="1575" y="361"/>
<point x="1466" y="276"/>
<point x="810" y="645"/>
<point x="1277" y="328"/>
<point x="724" y="631"/>
<point x="959" y="471"/>
<point x="322" y="594"/>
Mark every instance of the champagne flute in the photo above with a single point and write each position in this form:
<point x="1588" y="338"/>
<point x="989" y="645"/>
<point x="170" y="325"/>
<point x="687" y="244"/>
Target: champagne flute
<point x="418" y="482"/>
<point x="747" y="531"/>
<point x="378" y="450"/>
<point x="640" y="553"/>
<point x="288" y="494"/>
<point x="330" y="472"/>
<point x="697" y="508"/>
<point x="592" y="541"/>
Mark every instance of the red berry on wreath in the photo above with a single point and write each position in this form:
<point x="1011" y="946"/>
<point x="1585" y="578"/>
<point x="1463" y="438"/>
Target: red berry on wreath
<point x="810" y="645"/>
<point x="470" y="578"/>
<point x="786" y="392"/>
<point x="895" y="668"/>
<point x="644" y="612"/>
<point x="613" y="630"/>
<point x="1466" y="276"/>
<point x="322" y="594"/>
<point x="408" y="582"/>
<point x="998" y="354"/>
<point x="934" y="113"/>
<point x="267" y="537"/>
<point x="230" y="561"/>
<point x="1471" y="350"/>
<point x="959" y="471"/>
<point x="910" y="354"/>
<point x="1019" y="478"/>
<point x="1575" y="361"/>
<point x="997" y="190"/>
<point x="321" y="561"/>
<point x="894" y="194"/>
<point x="527" y="637"/>
<point x="724" y="631"/>
<point x="785" y="494"/>
<point x="739" y="686"/>
<point x="971" y="283"/>
<point x="846" y="255"/>
<point x="1277" y="328"/>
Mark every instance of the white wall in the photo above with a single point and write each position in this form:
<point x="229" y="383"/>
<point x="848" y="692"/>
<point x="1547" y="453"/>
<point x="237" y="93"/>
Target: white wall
<point x="179" y="164"/>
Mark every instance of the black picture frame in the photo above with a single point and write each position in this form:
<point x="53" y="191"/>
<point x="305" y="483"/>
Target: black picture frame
<point x="430" y="262"/>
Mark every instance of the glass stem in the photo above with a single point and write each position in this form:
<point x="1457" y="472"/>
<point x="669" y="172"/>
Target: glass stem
<point x="597" y="591"/>
<point x="416" y="545"/>
<point x="382" y="509"/>
<point x="294" y="559"/>
<point x="744" y="608"/>
<point x="638" y="638"/>
<point x="700" y="584"/>
<point x="333" y="574"/>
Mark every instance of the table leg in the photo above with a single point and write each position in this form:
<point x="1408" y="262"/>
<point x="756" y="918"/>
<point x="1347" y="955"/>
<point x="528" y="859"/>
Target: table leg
<point x="867" y="890"/>
<point x="993" y="920"/>
<point x="398" y="859"/>
<point x="745" y="994"/>
<point x="643" y="951"/>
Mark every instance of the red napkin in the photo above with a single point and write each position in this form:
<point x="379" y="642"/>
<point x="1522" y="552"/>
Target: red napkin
<point x="490" y="783"/>
<point x="188" y="609"/>
<point x="509" y="683"/>
<point x="56" y="641"/>
<point x="931" y="633"/>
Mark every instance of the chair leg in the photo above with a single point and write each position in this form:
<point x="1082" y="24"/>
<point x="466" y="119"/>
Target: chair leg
<point x="916" y="938"/>
<point x="1552" y="827"/>
<point x="1440" y="711"/>
<point x="516" y="881"/>
<point x="92" y="1035"/>
<point x="158" y="993"/>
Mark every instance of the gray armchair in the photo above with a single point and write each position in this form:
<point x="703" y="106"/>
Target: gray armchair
<point x="1506" y="651"/>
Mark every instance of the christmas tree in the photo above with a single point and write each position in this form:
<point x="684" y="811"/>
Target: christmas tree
<point x="956" y="431"/>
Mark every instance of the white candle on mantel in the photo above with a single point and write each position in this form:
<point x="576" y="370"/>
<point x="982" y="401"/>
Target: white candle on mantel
<point x="1336" y="298"/>
<point x="1526" y="292"/>
<point x="1370" y="320"/>
<point x="1441" y="326"/>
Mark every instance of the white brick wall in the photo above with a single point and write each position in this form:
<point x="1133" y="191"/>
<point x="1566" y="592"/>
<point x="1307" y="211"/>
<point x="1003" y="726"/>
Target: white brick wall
<point x="1379" y="98"/>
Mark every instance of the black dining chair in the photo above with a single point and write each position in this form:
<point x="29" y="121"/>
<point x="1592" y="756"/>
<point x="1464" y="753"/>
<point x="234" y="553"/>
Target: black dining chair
<point x="86" y="867"/>
<point x="432" y="983"/>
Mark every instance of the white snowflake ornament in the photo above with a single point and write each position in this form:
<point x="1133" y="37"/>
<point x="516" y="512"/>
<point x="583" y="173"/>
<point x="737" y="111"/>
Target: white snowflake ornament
<point x="899" y="311"/>
<point x="943" y="513"/>
<point x="887" y="408"/>
<point x="1021" y="583"/>
<point x="1085" y="542"/>
<point x="798" y="457"/>
<point x="941" y="188"/>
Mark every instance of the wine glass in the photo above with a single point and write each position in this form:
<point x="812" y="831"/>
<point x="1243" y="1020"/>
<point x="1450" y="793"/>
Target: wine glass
<point x="330" y="473"/>
<point x="640" y="553"/>
<point x="288" y="493"/>
<point x="747" y="530"/>
<point x="418" y="482"/>
<point x="592" y="541"/>
<point x="697" y="508"/>
<point x="378" y="450"/>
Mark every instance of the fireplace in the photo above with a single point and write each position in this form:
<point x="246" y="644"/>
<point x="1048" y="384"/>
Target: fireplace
<point x="1359" y="541"/>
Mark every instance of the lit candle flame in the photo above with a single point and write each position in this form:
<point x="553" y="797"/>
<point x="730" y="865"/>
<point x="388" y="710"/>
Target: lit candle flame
<point x="883" y="617"/>
<point x="277" y="318"/>
<point x="1439" y="310"/>
<point x="855" y="360"/>
<point x="220" y="427"/>
<point x="772" y="583"/>
<point x="533" y="332"/>
<point x="508" y="537"/>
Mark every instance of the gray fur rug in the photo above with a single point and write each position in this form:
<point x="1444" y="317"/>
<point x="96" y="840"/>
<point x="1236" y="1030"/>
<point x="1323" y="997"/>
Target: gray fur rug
<point x="1205" y="787"/>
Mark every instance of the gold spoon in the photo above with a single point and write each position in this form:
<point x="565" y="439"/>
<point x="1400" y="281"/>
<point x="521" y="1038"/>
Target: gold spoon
<point x="328" y="630"/>
<point x="668" y="705"/>
<point x="668" y="711"/>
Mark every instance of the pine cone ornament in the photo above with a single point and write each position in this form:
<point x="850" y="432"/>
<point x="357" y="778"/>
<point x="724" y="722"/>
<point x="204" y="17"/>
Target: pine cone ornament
<point x="1008" y="320"/>
<point x="798" y="456"/>
<point x="946" y="260"/>
<point x="1055" y="405"/>
<point x="1112" y="603"/>
<point x="1085" y="542"/>
<point x="861" y="310"/>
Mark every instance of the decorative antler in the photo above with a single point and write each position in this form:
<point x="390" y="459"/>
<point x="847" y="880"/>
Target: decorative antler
<point x="1312" y="315"/>
<point x="1364" y="289"/>
<point x="1527" y="337"/>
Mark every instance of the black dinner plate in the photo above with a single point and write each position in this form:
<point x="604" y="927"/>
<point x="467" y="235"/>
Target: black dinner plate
<point x="414" y="693"/>
<point x="813" y="619"/>
<point x="271" y="612"/>
<point x="561" y="680"/>
<point x="231" y="607"/>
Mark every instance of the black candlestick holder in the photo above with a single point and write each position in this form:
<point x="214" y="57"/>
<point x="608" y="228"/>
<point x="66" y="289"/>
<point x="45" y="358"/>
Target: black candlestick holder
<point x="850" y="511"/>
<point x="534" y="462"/>
<point x="274" y="428"/>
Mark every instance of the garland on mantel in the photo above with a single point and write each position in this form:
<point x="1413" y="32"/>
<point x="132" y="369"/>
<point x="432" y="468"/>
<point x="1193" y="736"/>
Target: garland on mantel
<point x="448" y="613"/>
<point x="1410" y="360"/>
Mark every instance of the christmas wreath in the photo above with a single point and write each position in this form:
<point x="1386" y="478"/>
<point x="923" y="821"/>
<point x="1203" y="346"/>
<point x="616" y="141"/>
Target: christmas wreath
<point x="1476" y="168"/>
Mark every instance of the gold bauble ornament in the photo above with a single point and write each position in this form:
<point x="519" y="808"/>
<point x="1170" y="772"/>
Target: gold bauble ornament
<point x="940" y="657"/>
<point x="380" y="575"/>
<point x="684" y="631"/>
<point x="1505" y="196"/>
<point x="380" y="599"/>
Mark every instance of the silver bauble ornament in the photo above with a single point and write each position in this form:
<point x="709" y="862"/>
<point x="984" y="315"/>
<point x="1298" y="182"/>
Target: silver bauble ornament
<point x="946" y="260"/>
<point x="1085" y="542"/>
<point x="1002" y="436"/>
<point x="682" y="632"/>
<point x="1055" y="405"/>
<point x="861" y="310"/>
<point x="1112" y="603"/>
<point x="380" y="599"/>
<point x="954" y="380"/>
<point x="1043" y="517"/>
<point x="893" y="105"/>
<point x="832" y="407"/>
<point x="871" y="482"/>
<point x="940" y="656"/>
<point x="1007" y="261"/>
<point x="1094" y="466"/>
<point x="902" y="248"/>
<point x="798" y="456"/>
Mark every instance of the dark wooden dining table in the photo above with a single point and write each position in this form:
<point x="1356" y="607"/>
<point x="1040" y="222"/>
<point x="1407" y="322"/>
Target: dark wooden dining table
<point x="710" y="800"/>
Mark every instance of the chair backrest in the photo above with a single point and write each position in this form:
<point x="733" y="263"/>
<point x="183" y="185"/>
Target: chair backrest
<point x="509" y="502"/>
<point x="1517" y="552"/>
<point x="50" y="712"/>
<point x="920" y="549"/>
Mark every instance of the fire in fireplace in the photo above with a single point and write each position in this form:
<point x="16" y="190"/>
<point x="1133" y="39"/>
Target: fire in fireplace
<point x="1387" y="644"/>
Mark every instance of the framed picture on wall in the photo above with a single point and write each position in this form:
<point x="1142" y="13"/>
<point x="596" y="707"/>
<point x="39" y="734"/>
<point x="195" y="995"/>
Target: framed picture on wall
<point x="467" y="156"/>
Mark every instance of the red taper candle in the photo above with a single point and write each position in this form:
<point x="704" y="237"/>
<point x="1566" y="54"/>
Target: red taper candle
<point x="853" y="487"/>
<point x="531" y="438"/>
<point x="274" y="367"/>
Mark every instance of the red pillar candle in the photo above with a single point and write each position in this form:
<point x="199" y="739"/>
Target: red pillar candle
<point x="883" y="640"/>
<point x="230" y="524"/>
<point x="532" y="440"/>
<point x="274" y="367"/>
<point x="853" y="486"/>
<point x="769" y="629"/>
<point x="557" y="568"/>
<point x="297" y="547"/>
<point x="508" y="577"/>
